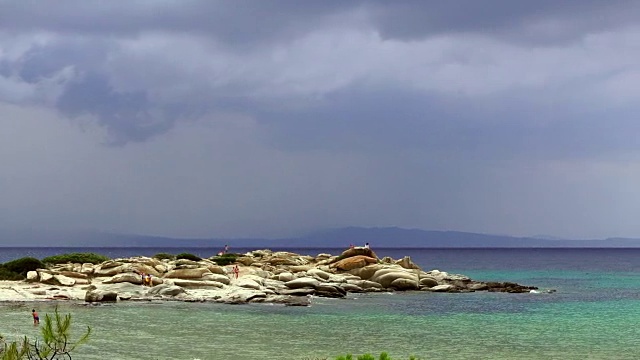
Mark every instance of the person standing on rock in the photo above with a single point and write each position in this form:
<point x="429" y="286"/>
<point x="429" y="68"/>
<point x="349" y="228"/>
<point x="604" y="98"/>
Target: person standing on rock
<point x="36" y="318"/>
<point x="236" y="270"/>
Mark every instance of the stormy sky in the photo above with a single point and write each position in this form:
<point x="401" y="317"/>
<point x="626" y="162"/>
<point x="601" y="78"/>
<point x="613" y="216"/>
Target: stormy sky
<point x="273" y="118"/>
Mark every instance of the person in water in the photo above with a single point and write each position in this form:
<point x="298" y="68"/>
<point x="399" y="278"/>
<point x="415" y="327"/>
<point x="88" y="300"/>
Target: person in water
<point x="36" y="318"/>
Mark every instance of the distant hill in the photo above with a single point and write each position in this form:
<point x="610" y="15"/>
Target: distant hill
<point x="342" y="237"/>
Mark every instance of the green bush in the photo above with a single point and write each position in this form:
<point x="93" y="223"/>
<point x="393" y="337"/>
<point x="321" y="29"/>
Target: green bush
<point x="188" y="257"/>
<point x="162" y="256"/>
<point x="6" y="274"/>
<point x="75" y="258"/>
<point x="224" y="259"/>
<point x="23" y="265"/>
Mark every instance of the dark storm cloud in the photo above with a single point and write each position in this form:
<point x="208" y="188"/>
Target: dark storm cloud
<point x="543" y="21"/>
<point x="88" y="34"/>
<point x="250" y="21"/>
<point x="237" y="23"/>
<point x="127" y="115"/>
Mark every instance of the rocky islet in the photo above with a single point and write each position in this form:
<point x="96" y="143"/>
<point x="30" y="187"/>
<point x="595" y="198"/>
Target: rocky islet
<point x="264" y="276"/>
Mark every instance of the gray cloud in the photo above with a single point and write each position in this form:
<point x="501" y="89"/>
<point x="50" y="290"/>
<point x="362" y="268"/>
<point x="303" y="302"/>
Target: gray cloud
<point x="545" y="21"/>
<point x="467" y="115"/>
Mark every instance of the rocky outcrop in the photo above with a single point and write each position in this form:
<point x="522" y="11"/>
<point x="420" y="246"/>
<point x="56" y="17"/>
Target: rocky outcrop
<point x="95" y="295"/>
<point x="264" y="276"/>
<point x="353" y="262"/>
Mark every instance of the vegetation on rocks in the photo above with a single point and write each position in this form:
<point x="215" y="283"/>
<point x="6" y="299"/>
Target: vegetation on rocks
<point x="55" y="342"/>
<point x="163" y="256"/>
<point x="75" y="258"/>
<point x="23" y="265"/>
<point x="224" y="259"/>
<point x="188" y="256"/>
<point x="6" y="274"/>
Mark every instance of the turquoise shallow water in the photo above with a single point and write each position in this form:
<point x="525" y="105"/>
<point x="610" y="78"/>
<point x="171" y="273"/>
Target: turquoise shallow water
<point x="593" y="315"/>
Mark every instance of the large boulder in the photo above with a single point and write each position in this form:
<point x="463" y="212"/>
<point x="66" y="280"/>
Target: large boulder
<point x="32" y="276"/>
<point x="95" y="295"/>
<point x="248" y="283"/>
<point x="406" y="263"/>
<point x="330" y="290"/>
<point x="299" y="268"/>
<point x="428" y="281"/>
<point x="366" y="272"/>
<point x="354" y="262"/>
<point x="141" y="268"/>
<point x="303" y="282"/>
<point x="108" y="271"/>
<point x="87" y="268"/>
<point x="73" y="274"/>
<point x="64" y="280"/>
<point x="187" y="273"/>
<point x="357" y="251"/>
<point x="166" y="290"/>
<point x="126" y="277"/>
<point x="365" y="284"/>
<point x="285" y="276"/>
<point x="319" y="274"/>
<point x="224" y="279"/>
<point x="217" y="269"/>
<point x="386" y="278"/>
<point x="351" y="287"/>
<point x="404" y="284"/>
<point x="46" y="277"/>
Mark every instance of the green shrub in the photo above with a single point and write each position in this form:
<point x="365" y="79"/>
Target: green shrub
<point x="188" y="257"/>
<point x="6" y="274"/>
<point x="75" y="258"/>
<point x="224" y="259"/>
<point x="162" y="256"/>
<point x="23" y="265"/>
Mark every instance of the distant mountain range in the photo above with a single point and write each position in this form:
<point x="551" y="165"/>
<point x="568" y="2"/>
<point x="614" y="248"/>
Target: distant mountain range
<point x="342" y="237"/>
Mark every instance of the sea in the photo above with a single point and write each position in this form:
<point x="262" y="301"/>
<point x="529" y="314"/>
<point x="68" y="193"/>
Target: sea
<point x="593" y="312"/>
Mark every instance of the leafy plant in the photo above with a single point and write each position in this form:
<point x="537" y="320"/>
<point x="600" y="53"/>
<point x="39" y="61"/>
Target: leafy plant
<point x="6" y="274"/>
<point x="188" y="257"/>
<point x="23" y="265"/>
<point x="75" y="258"/>
<point x="54" y="345"/>
<point x="224" y="259"/>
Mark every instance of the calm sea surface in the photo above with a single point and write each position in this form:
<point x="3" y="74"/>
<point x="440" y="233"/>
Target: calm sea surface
<point x="595" y="313"/>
